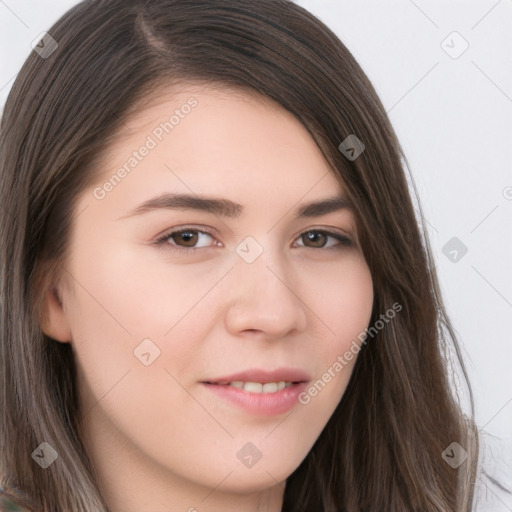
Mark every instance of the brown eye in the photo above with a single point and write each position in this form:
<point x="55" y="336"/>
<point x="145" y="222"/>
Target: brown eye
<point x="316" y="238"/>
<point x="319" y="239"/>
<point x="189" y="238"/>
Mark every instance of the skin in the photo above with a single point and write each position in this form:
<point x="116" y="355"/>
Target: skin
<point x="158" y="439"/>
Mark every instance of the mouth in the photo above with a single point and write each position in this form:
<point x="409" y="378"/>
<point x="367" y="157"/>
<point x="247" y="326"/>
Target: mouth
<point x="261" y="392"/>
<point x="257" y="387"/>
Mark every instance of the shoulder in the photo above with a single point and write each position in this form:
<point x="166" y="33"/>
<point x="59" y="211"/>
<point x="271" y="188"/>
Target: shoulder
<point x="9" y="503"/>
<point x="493" y="486"/>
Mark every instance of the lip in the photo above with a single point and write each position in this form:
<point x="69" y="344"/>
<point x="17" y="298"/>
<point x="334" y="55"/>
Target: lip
<point x="256" y="375"/>
<point x="262" y="404"/>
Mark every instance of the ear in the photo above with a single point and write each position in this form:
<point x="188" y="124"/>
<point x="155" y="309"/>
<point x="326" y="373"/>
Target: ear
<point x="53" y="319"/>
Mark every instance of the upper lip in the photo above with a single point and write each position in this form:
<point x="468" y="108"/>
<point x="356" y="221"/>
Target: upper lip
<point x="263" y="376"/>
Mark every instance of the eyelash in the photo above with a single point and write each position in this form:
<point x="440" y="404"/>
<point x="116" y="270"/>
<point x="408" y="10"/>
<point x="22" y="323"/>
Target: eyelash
<point x="343" y="240"/>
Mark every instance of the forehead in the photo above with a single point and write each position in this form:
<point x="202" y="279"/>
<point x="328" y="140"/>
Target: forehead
<point x="234" y="121"/>
<point x="212" y="140"/>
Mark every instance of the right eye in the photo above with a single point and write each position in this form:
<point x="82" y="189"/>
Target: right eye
<point x="189" y="237"/>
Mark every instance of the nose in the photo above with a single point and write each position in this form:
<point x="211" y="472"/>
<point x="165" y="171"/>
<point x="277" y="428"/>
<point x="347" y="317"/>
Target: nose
<point x="264" y="298"/>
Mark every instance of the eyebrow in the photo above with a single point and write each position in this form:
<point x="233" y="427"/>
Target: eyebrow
<point x="228" y="208"/>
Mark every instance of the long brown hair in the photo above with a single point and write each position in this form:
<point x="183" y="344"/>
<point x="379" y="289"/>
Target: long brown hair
<point x="382" y="448"/>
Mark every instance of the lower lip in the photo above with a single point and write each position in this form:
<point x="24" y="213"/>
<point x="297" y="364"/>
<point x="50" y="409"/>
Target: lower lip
<point x="263" y="404"/>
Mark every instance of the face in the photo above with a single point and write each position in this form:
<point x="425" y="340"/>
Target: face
<point x="200" y="328"/>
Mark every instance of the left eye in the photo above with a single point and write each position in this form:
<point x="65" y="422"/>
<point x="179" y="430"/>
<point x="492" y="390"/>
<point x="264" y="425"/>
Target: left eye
<point x="190" y="237"/>
<point x="320" y="238"/>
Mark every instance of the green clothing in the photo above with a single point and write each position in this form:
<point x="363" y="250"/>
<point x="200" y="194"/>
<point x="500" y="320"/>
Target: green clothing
<point x="10" y="503"/>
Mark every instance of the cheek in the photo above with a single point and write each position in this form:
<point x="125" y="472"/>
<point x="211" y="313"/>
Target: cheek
<point x="126" y="311"/>
<point x="137" y="293"/>
<point x="344" y="308"/>
<point x="343" y="302"/>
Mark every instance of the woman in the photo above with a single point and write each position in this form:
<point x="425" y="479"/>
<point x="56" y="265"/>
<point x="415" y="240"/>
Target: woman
<point x="138" y="130"/>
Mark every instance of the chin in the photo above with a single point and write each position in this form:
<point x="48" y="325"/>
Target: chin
<point x="258" y="478"/>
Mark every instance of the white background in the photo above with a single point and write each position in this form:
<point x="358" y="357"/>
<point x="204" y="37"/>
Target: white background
<point x="453" y="117"/>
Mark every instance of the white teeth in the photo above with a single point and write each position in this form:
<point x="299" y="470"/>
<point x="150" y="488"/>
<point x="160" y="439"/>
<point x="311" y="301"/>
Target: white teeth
<point x="258" y="387"/>
<point x="269" y="387"/>
<point x="253" y="387"/>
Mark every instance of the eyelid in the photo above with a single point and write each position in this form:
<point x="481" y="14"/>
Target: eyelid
<point x="164" y="237"/>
